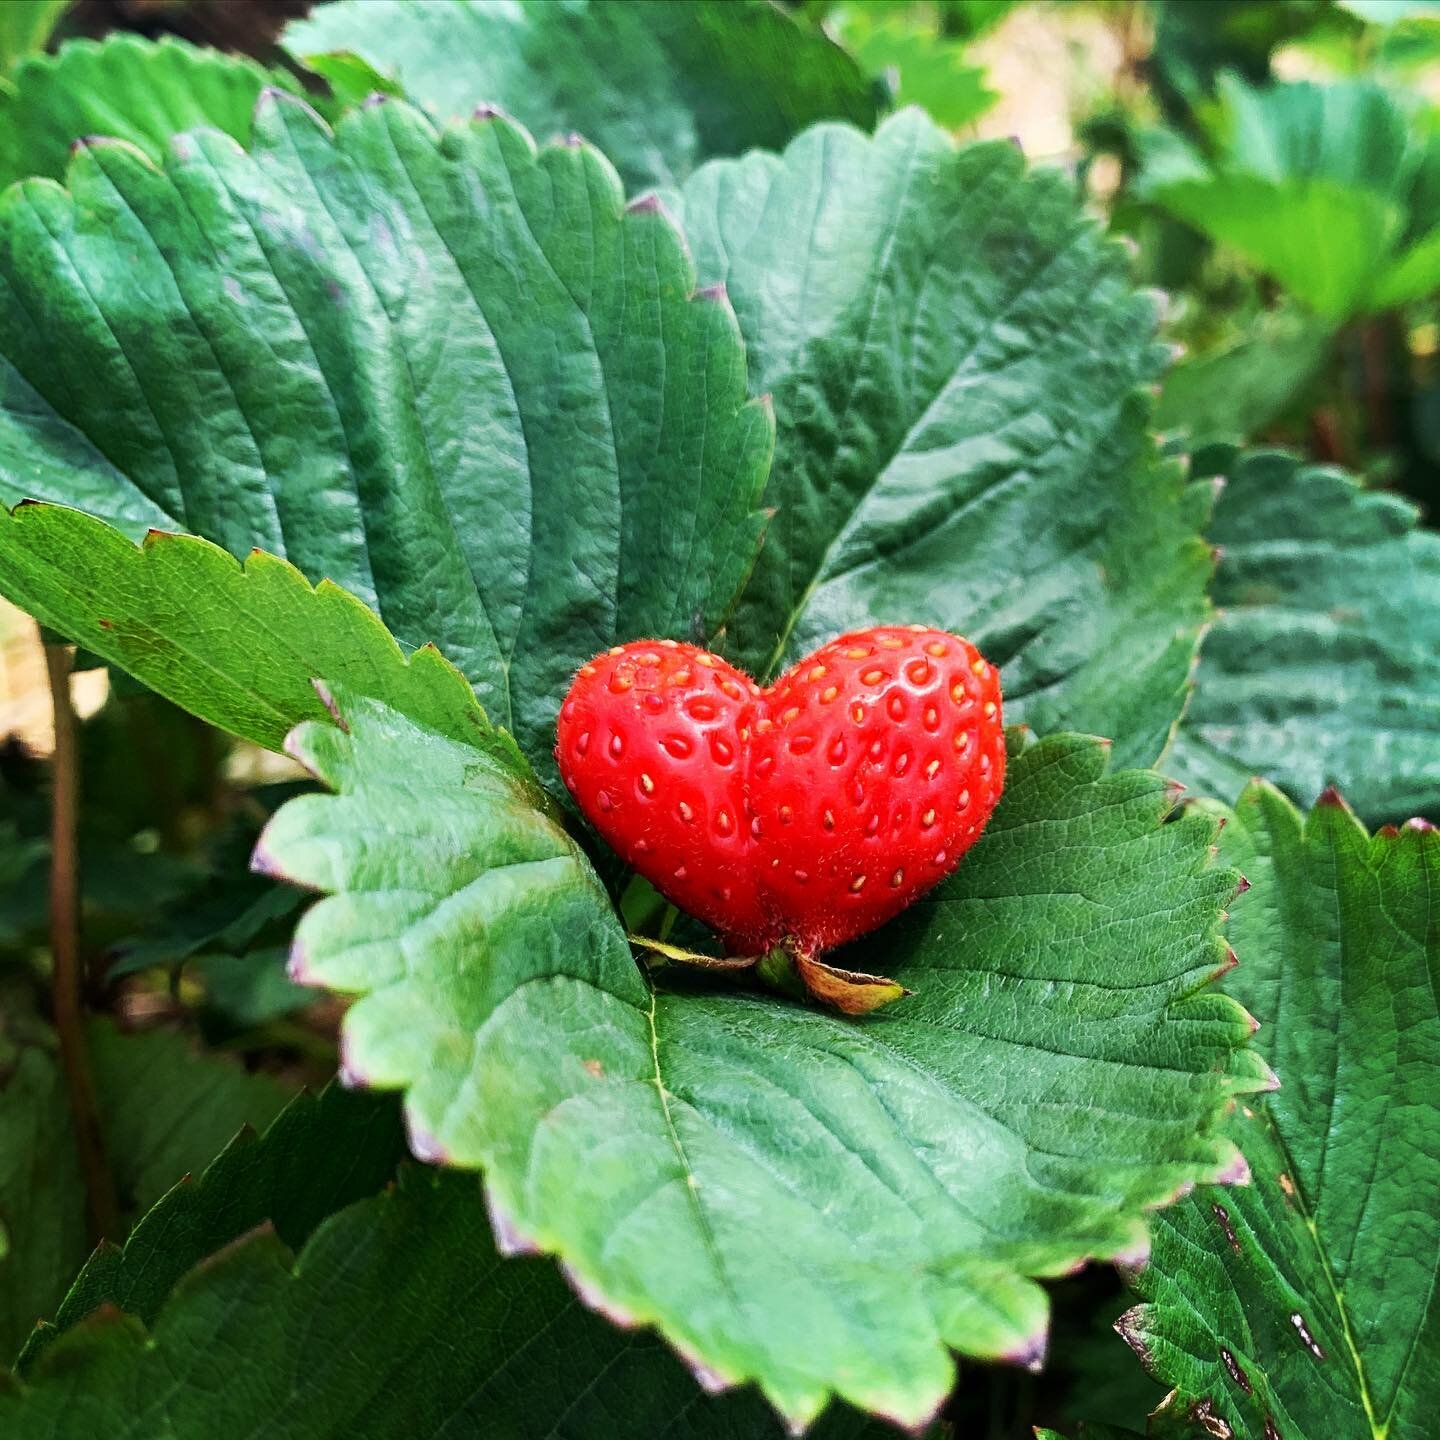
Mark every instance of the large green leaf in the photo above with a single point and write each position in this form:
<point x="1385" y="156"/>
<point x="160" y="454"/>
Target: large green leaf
<point x="450" y="373"/>
<point x="954" y="352"/>
<point x="320" y="1154"/>
<point x="1304" y="1305"/>
<point x="1332" y="189"/>
<point x="398" y="1321"/>
<point x="165" y="1110"/>
<point x="1057" y="543"/>
<point x="138" y="90"/>
<point x="658" y="88"/>
<point x="1324" y="664"/>
<point x="814" y="1203"/>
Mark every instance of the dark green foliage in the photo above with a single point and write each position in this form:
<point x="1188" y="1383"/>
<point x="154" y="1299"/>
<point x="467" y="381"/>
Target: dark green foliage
<point x="398" y="1319"/>
<point x="318" y="1155"/>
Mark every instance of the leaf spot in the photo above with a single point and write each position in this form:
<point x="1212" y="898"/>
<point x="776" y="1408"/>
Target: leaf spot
<point x="1223" y="1216"/>
<point x="1236" y="1373"/>
<point x="1306" y="1338"/>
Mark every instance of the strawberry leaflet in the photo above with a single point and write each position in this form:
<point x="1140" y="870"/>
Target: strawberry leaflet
<point x="821" y="1205"/>
<point x="450" y="373"/>
<point x="956" y="355"/>
<point x="1323" y="666"/>
<point x="111" y="87"/>
<point x="1304" y="1305"/>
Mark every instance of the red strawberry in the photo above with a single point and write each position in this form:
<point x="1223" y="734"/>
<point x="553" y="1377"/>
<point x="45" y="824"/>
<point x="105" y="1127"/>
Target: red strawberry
<point x="806" y="813"/>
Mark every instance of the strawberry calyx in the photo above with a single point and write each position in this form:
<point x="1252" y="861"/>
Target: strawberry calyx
<point x="788" y="968"/>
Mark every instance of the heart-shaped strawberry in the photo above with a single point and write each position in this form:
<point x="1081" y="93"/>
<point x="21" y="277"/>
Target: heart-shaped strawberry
<point x="804" y="814"/>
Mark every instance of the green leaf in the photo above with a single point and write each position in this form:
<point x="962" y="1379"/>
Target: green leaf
<point x="25" y="28"/>
<point x="1304" y="1304"/>
<point x="231" y="930"/>
<point x="398" y="1321"/>
<point x="238" y="910"/>
<point x="456" y="376"/>
<point x="1234" y="392"/>
<point x="1324" y="664"/>
<point x="954" y="352"/>
<point x="658" y="88"/>
<point x="1329" y="188"/>
<point x="1317" y="238"/>
<point x="927" y="68"/>
<point x="350" y="79"/>
<point x="320" y="1154"/>
<point x="42" y="1204"/>
<point x="138" y="90"/>
<point x="249" y="990"/>
<point x="818" y="1204"/>
<point x="239" y="647"/>
<point x="165" y="1110"/>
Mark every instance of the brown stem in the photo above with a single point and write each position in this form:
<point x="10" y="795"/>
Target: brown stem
<point x="65" y="950"/>
<point x="1325" y="436"/>
<point x="1375" y="369"/>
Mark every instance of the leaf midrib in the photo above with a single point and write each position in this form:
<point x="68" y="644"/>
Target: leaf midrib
<point x="691" y="1181"/>
<point x="1337" y="1295"/>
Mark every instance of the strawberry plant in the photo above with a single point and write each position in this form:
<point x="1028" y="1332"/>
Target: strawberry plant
<point x="747" y="932"/>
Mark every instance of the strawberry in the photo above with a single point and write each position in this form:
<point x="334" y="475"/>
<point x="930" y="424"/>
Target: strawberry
<point x="801" y="815"/>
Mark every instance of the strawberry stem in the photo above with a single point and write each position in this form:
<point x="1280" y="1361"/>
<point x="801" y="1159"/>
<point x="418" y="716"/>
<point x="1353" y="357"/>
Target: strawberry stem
<point x="776" y="969"/>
